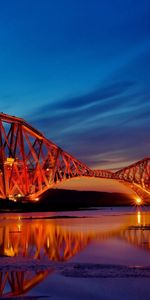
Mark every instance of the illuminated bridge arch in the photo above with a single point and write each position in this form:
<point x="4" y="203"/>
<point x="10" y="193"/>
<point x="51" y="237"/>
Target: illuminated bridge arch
<point x="30" y="164"/>
<point x="137" y="177"/>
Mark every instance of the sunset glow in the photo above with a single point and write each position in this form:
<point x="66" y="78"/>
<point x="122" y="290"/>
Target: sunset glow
<point x="75" y="149"/>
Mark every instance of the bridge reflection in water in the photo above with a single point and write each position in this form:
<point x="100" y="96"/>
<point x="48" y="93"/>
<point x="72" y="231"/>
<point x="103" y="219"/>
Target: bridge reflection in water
<point x="59" y="240"/>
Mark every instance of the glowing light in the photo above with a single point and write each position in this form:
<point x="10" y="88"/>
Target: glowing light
<point x="36" y="199"/>
<point x="19" y="195"/>
<point x="9" y="161"/>
<point x="139" y="217"/>
<point x="19" y="227"/>
<point x="138" y="201"/>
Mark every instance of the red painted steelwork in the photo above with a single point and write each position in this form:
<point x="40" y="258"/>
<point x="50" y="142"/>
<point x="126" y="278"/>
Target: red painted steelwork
<point x="30" y="164"/>
<point x="136" y="176"/>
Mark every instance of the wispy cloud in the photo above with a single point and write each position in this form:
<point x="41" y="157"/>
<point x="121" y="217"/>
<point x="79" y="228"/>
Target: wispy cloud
<point x="104" y="122"/>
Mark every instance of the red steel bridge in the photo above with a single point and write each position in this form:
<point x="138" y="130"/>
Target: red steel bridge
<point x="30" y="164"/>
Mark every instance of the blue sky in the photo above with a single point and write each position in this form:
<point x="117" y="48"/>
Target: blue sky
<point x="79" y="71"/>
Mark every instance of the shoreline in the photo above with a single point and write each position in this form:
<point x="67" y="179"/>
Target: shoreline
<point x="68" y="200"/>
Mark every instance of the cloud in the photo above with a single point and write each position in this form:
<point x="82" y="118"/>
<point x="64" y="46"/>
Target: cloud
<point x="92" y="97"/>
<point x="75" y="111"/>
<point x="107" y="121"/>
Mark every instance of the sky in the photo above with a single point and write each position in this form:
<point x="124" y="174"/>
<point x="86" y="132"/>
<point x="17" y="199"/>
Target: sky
<point x="79" y="71"/>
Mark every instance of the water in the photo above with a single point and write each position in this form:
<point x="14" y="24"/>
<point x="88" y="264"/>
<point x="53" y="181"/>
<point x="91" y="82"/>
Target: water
<point x="94" y="254"/>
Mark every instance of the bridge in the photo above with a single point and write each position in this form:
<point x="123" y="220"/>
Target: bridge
<point x="135" y="176"/>
<point x="30" y="164"/>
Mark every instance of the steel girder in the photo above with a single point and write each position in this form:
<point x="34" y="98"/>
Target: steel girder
<point x="30" y="164"/>
<point x="138" y="172"/>
<point x="103" y="173"/>
<point x="137" y="176"/>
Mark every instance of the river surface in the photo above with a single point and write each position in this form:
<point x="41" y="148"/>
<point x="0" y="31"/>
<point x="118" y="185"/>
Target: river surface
<point x="89" y="254"/>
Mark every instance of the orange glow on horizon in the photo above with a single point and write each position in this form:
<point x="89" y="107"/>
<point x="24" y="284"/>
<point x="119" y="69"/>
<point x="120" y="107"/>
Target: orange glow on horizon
<point x="94" y="184"/>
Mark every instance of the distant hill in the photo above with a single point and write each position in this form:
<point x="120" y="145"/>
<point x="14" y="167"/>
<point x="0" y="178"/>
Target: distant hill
<point x="57" y="199"/>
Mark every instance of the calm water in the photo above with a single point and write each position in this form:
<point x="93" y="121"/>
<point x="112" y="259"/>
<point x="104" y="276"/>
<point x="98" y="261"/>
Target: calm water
<point x="96" y="254"/>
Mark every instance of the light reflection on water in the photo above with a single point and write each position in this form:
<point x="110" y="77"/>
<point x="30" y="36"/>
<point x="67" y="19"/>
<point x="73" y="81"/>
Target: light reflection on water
<point x="60" y="239"/>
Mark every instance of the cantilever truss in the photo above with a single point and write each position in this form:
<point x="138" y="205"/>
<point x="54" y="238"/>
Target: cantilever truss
<point x="29" y="163"/>
<point x="136" y="176"/>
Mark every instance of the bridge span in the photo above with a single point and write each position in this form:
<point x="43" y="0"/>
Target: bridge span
<point x="30" y="164"/>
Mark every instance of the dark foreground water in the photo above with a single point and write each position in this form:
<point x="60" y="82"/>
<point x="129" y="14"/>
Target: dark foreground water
<point x="95" y="254"/>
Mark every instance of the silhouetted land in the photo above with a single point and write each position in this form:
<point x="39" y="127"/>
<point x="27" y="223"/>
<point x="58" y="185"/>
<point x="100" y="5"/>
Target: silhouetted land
<point x="57" y="199"/>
